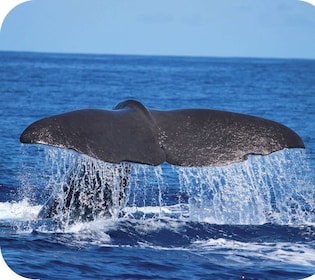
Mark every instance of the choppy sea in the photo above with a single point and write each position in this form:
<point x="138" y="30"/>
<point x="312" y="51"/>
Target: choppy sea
<point x="248" y="220"/>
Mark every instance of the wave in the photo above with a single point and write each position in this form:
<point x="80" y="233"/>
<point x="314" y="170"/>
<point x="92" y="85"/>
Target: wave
<point x="233" y="245"/>
<point x="168" y="228"/>
<point x="251" y="253"/>
<point x="167" y="224"/>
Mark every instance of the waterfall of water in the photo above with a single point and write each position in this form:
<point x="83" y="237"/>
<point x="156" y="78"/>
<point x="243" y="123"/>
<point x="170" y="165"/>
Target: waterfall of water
<point x="276" y="188"/>
<point x="84" y="188"/>
<point x="264" y="189"/>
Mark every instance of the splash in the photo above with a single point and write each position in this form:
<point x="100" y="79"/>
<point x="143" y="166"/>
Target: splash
<point x="83" y="188"/>
<point x="264" y="189"/>
<point x="21" y="210"/>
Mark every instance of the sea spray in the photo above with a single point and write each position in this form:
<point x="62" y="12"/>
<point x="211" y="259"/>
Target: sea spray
<point x="84" y="188"/>
<point x="264" y="189"/>
<point x="276" y="189"/>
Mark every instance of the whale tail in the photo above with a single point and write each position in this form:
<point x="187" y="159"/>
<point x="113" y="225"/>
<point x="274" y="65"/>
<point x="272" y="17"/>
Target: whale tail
<point x="189" y="137"/>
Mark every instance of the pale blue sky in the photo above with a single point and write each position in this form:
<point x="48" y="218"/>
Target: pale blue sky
<point x="243" y="28"/>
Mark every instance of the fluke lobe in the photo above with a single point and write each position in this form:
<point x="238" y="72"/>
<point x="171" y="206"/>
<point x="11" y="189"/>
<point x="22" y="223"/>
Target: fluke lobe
<point x="186" y="137"/>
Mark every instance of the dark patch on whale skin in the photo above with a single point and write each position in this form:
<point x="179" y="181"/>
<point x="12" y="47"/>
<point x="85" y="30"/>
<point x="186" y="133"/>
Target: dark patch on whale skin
<point x="186" y="137"/>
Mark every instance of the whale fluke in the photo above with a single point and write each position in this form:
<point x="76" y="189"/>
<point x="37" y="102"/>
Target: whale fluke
<point x="186" y="137"/>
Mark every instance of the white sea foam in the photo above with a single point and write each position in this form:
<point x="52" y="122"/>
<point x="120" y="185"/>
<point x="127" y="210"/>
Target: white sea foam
<point x="21" y="210"/>
<point x="243" y="252"/>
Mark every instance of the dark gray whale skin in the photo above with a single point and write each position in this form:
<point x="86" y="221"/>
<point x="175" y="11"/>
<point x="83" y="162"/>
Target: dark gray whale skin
<point x="186" y="137"/>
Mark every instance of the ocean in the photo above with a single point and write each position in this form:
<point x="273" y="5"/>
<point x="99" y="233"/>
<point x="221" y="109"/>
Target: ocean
<point x="249" y="220"/>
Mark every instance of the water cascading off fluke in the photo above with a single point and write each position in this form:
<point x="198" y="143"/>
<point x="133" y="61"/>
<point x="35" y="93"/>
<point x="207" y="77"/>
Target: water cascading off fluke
<point x="264" y="189"/>
<point x="276" y="189"/>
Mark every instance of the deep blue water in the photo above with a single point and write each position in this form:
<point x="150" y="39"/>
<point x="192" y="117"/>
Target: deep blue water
<point x="251" y="220"/>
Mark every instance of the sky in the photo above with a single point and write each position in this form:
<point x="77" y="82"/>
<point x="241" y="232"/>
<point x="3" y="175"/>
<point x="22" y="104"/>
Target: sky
<point x="220" y="28"/>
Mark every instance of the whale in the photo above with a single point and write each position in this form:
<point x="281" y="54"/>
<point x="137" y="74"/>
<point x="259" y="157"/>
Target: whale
<point x="132" y="133"/>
